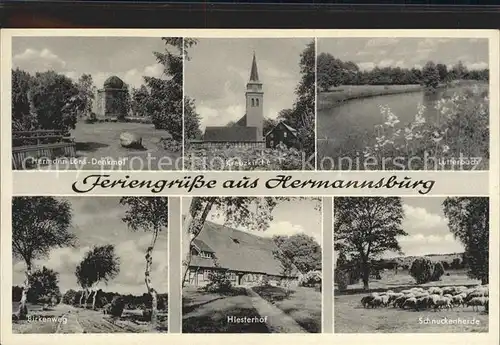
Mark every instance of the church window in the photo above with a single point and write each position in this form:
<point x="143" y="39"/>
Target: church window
<point x="257" y="101"/>
<point x="253" y="102"/>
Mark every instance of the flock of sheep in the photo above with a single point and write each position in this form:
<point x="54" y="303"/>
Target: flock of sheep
<point x="435" y="298"/>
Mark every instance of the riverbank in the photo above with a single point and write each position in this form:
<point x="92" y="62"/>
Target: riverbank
<point x="345" y="93"/>
<point x="340" y="94"/>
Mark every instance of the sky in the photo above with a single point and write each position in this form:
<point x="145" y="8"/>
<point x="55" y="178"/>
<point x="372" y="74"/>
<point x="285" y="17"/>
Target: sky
<point x="407" y="52"/>
<point x="427" y="229"/>
<point x="219" y="69"/>
<point x="289" y="218"/>
<point x="97" y="221"/>
<point x="129" y="58"/>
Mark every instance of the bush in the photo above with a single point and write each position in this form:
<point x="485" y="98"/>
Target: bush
<point x="311" y="279"/>
<point x="422" y="270"/>
<point x="342" y="279"/>
<point x="437" y="272"/>
<point x="116" y="307"/>
<point x="266" y="281"/>
<point x="218" y="282"/>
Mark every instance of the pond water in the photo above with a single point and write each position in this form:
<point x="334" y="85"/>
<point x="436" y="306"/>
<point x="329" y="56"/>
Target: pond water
<point x="344" y="129"/>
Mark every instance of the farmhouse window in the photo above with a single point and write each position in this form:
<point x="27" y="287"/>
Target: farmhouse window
<point x="271" y="135"/>
<point x="206" y="274"/>
<point x="284" y="134"/>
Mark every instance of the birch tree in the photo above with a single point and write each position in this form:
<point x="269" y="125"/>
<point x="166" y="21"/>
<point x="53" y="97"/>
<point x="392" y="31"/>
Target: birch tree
<point x="39" y="224"/>
<point x="147" y="214"/>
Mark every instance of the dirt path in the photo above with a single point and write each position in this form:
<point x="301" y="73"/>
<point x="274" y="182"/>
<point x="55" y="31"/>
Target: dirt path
<point x="277" y="320"/>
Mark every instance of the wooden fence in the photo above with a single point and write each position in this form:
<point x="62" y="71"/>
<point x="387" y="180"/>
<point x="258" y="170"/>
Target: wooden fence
<point x="28" y="146"/>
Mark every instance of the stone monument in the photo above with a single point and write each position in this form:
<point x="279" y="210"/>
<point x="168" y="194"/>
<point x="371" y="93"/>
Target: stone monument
<point x="110" y="101"/>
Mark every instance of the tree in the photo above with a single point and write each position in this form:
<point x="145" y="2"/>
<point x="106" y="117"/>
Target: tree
<point x="443" y="72"/>
<point x="55" y="99"/>
<point x="86" y="94"/>
<point x="43" y="285"/>
<point x="366" y="227"/>
<point x="430" y="76"/>
<point x="69" y="297"/>
<point x="459" y="71"/>
<point x="303" y="251"/>
<point x="83" y="280"/>
<point x="437" y="272"/>
<point x="269" y="124"/>
<point x="468" y="220"/>
<point x="138" y="101"/>
<point x="330" y="72"/>
<point x="99" y="264"/>
<point x="192" y="128"/>
<point x="304" y="106"/>
<point x="251" y="212"/>
<point x="38" y="225"/>
<point x="147" y="214"/>
<point x="23" y="118"/>
<point x="165" y="98"/>
<point x="421" y="270"/>
<point x="124" y="101"/>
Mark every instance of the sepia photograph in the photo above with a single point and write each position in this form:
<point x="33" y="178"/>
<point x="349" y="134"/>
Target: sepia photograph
<point x="251" y="265"/>
<point x="97" y="103"/>
<point x="395" y="103"/>
<point x="250" y="104"/>
<point x="89" y="265"/>
<point x="411" y="265"/>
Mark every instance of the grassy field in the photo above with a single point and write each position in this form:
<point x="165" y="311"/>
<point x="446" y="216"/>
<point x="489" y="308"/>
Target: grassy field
<point x="302" y="304"/>
<point x="64" y="319"/>
<point x="204" y="312"/>
<point x="100" y="140"/>
<point x="344" y="93"/>
<point x="351" y="317"/>
<point x="404" y="279"/>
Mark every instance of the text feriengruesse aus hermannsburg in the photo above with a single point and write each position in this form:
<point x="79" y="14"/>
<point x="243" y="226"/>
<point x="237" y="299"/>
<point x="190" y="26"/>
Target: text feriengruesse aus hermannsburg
<point x="191" y="183"/>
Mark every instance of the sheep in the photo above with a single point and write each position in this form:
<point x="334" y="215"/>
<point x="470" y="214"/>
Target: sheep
<point x="394" y="296"/>
<point x="385" y="300"/>
<point x="411" y="302"/>
<point x="457" y="300"/>
<point x="435" y="290"/>
<point x="448" y="290"/>
<point x="366" y="301"/>
<point x="478" y="301"/>
<point x="443" y="302"/>
<point x="474" y="294"/>
<point x="376" y="302"/>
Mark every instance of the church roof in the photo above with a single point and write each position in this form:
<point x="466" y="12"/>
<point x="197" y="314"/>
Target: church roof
<point x="113" y="82"/>
<point x="230" y="134"/>
<point x="254" y="73"/>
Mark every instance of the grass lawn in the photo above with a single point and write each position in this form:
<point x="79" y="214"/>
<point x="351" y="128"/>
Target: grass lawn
<point x="100" y="140"/>
<point x="204" y="312"/>
<point x="302" y="304"/>
<point x="351" y="317"/>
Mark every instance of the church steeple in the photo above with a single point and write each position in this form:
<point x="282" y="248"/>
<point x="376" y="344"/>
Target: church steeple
<point x="254" y="101"/>
<point x="254" y="74"/>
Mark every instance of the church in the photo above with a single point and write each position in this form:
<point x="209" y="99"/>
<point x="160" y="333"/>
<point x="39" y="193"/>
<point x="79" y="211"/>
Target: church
<point x="248" y="130"/>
